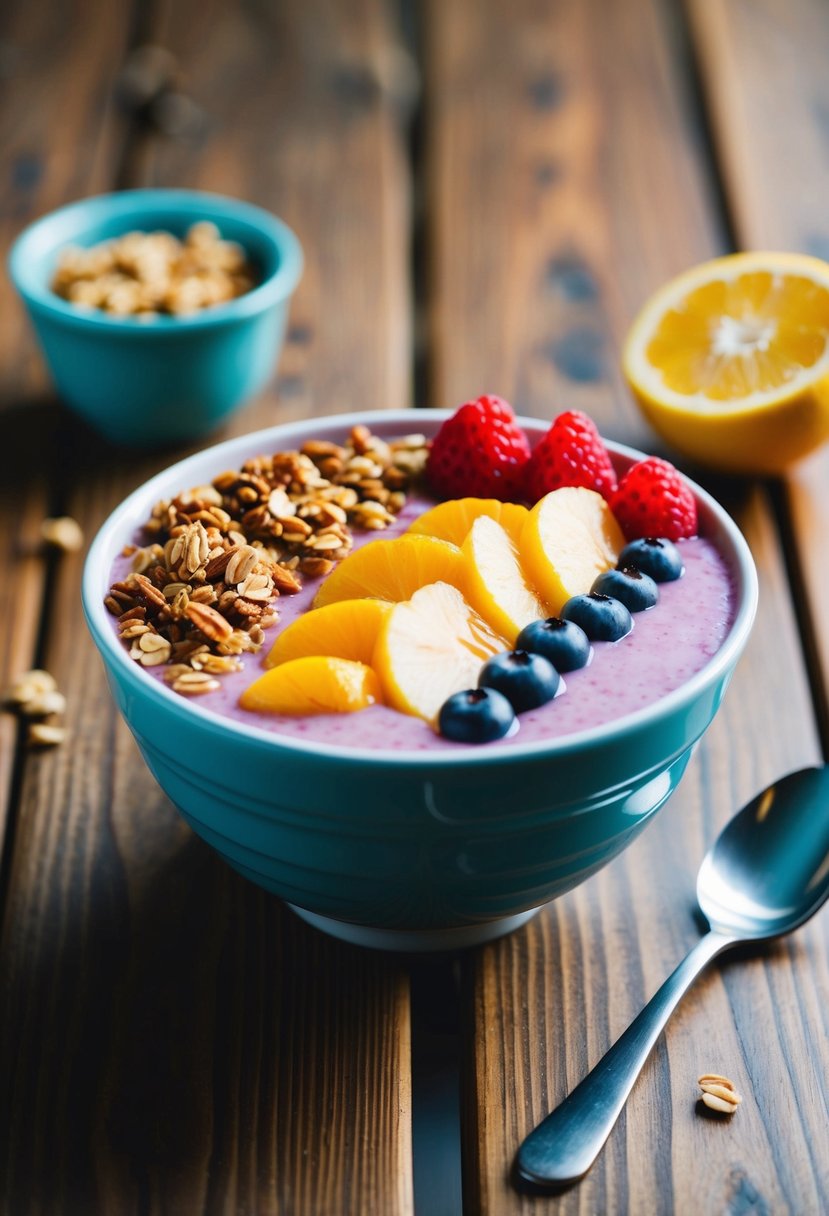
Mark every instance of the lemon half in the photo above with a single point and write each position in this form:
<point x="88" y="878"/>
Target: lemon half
<point x="730" y="361"/>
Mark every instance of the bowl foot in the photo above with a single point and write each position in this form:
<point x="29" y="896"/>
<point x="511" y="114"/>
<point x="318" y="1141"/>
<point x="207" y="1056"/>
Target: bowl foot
<point x="415" y="940"/>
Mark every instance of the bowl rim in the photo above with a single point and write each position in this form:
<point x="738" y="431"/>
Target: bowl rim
<point x="104" y="549"/>
<point x="143" y="204"/>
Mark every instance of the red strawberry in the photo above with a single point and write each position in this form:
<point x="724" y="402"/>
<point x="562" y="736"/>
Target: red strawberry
<point x="479" y="452"/>
<point x="570" y="454"/>
<point x="653" y="499"/>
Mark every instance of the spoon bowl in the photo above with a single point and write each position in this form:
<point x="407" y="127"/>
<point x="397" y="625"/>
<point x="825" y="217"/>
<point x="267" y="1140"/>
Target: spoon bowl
<point x="765" y="875"/>
<point x="768" y="871"/>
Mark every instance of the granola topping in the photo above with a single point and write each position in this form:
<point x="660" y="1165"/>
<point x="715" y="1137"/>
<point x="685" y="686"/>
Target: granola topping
<point x="144" y="274"/>
<point x="217" y="557"/>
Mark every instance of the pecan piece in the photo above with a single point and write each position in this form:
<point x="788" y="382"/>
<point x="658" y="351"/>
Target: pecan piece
<point x="210" y="622"/>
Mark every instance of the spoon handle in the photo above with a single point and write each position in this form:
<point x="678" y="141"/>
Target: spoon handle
<point x="565" y="1144"/>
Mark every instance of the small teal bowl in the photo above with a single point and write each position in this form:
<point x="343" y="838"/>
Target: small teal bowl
<point x="169" y="379"/>
<point x="407" y="850"/>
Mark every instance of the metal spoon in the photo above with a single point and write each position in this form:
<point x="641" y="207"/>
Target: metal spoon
<point x="767" y="873"/>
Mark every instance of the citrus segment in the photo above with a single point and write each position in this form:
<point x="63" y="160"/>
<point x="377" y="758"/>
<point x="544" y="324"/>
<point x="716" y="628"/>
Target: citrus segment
<point x="569" y="538"/>
<point x="730" y="361"/>
<point x="496" y="583"/>
<point x="393" y="570"/>
<point x="430" y="647"/>
<point x="314" y="684"/>
<point x="346" y="629"/>
<point x="452" y="520"/>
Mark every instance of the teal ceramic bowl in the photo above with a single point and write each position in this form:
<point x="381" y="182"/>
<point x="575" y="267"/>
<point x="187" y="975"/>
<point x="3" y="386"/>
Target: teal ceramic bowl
<point x="407" y="850"/>
<point x="170" y="379"/>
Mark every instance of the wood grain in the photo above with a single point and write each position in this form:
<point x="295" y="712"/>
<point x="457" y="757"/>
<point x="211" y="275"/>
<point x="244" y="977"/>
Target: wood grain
<point x="601" y="93"/>
<point x="544" y="238"/>
<point x="182" y="1042"/>
<point x="763" y="69"/>
<point x="56" y="138"/>
<point x="320" y="141"/>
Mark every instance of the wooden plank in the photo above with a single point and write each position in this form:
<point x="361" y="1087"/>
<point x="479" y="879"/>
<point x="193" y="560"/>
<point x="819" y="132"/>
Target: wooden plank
<point x="544" y="239"/>
<point x="763" y="68"/>
<point x="182" y="1043"/>
<point x="319" y="141"/>
<point x="49" y="69"/>
<point x="560" y="144"/>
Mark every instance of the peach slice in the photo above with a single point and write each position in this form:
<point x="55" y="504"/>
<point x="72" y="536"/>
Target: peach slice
<point x="496" y="585"/>
<point x="346" y="629"/>
<point x="570" y="537"/>
<point x="314" y="684"/>
<point x="430" y="647"/>
<point x="393" y="570"/>
<point x="452" y="520"/>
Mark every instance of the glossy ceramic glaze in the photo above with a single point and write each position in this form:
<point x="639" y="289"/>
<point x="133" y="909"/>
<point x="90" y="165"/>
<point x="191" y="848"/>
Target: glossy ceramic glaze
<point x="145" y="383"/>
<point x="415" y="850"/>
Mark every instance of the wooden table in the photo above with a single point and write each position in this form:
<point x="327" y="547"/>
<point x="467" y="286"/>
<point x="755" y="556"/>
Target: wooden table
<point x="486" y="191"/>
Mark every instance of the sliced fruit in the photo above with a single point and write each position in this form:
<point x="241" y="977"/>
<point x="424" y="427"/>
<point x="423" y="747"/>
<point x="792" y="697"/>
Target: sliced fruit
<point x="452" y="520"/>
<point x="430" y="647"/>
<point x="315" y="684"/>
<point x="393" y="570"/>
<point x="730" y="361"/>
<point x="347" y="629"/>
<point x="569" y="539"/>
<point x="496" y="585"/>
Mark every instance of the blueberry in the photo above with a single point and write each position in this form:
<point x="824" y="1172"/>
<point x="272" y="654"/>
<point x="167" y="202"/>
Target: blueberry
<point x="478" y="715"/>
<point x="602" y="618"/>
<point x="655" y="556"/>
<point x="526" y="680"/>
<point x="562" y="642"/>
<point x="637" y="591"/>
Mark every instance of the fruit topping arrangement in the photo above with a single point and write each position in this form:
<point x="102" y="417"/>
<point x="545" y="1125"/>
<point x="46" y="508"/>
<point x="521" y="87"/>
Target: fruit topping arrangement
<point x="472" y="616"/>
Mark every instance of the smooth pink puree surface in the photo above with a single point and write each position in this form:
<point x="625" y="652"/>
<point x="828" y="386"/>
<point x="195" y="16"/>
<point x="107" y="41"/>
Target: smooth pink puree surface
<point x="669" y="643"/>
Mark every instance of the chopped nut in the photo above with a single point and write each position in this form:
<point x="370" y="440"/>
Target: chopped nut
<point x="211" y="623"/>
<point x="62" y="533"/>
<point x="718" y="1093"/>
<point x="26" y="687"/>
<point x="45" y="734"/>
<point x="719" y="1104"/>
<point x="43" y="704"/>
<point x="194" y="684"/>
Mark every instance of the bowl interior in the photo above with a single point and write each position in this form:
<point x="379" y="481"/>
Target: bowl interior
<point x="119" y="530"/>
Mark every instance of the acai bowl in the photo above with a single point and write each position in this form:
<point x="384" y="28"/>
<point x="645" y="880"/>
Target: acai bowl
<point x="398" y="839"/>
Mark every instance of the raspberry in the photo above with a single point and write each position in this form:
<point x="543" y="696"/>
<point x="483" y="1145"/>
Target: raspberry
<point x="479" y="452"/>
<point x="653" y="499"/>
<point x="570" y="454"/>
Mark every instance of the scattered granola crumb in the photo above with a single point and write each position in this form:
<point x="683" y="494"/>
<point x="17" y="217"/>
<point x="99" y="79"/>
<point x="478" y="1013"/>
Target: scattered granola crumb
<point x="45" y="734"/>
<point x="35" y="695"/>
<point x="63" y="532"/>
<point x="27" y="686"/>
<point x="44" y="704"/>
<point x="718" y="1093"/>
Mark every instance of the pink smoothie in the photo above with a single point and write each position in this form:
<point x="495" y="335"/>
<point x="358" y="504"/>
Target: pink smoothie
<point x="669" y="643"/>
